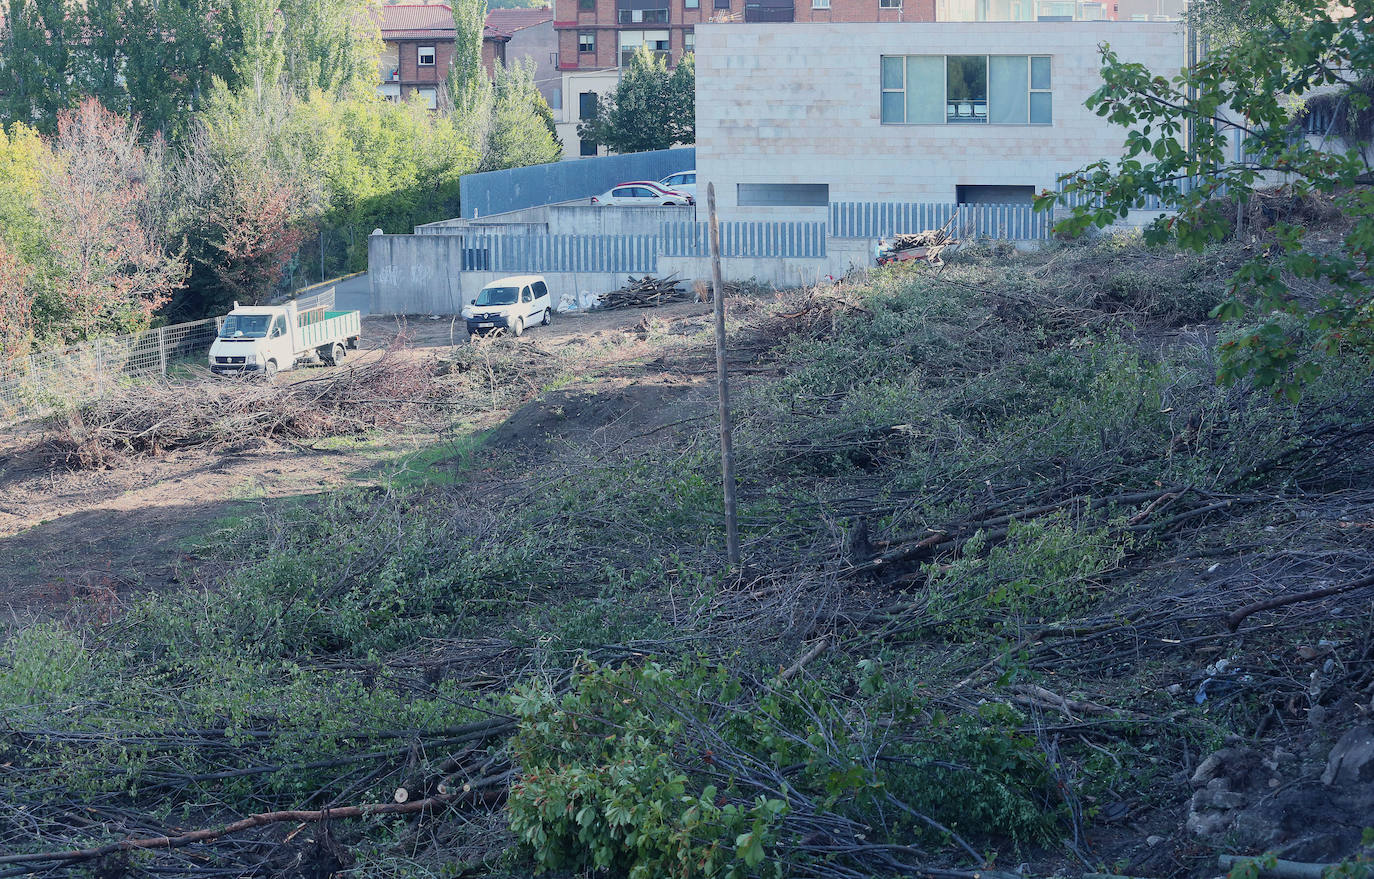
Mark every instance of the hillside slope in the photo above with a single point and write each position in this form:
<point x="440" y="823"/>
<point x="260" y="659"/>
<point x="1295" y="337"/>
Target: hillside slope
<point x="1022" y="585"/>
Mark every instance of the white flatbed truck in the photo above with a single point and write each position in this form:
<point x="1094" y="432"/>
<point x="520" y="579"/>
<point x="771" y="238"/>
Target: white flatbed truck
<point x="267" y="339"/>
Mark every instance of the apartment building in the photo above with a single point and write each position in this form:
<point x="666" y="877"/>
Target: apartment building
<point x="529" y="34"/>
<point x="949" y="112"/>
<point x="596" y="38"/>
<point x="418" y="40"/>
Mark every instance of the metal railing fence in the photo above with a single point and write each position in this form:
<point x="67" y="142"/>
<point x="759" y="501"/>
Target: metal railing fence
<point x="48" y="381"/>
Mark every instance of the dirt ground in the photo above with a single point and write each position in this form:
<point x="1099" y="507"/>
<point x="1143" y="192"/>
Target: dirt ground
<point x="102" y="535"/>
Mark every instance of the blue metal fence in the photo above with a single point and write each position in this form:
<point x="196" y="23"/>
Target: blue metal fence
<point x="560" y="253"/>
<point x="792" y="240"/>
<point x="494" y="192"/>
<point x="881" y="219"/>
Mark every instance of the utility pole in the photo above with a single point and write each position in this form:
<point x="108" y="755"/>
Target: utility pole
<point x="727" y="449"/>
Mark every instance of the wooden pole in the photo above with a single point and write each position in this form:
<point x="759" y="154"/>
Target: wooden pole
<point x="727" y="449"/>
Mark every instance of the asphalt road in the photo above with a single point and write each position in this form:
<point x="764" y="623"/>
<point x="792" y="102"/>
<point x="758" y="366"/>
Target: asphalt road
<point x="353" y="294"/>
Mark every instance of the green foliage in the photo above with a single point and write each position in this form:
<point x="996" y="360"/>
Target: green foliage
<point x="468" y="89"/>
<point x="1043" y="571"/>
<point x="520" y="133"/>
<point x="599" y="789"/>
<point x="652" y="109"/>
<point x="647" y="771"/>
<point x="1243" y="94"/>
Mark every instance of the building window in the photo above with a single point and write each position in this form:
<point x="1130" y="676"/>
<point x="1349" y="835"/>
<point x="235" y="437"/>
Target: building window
<point x="966" y="89"/>
<point x="993" y="194"/>
<point x="691" y="4"/>
<point x="430" y="97"/>
<point x="630" y="41"/>
<point x="586" y="41"/>
<point x="657" y="15"/>
<point x="586" y="5"/>
<point x="721" y="4"/>
<point x="792" y="195"/>
<point x="820" y="4"/>
<point x="889" y="4"/>
<point x="424" y="56"/>
<point x="586" y="147"/>
<point x="586" y="106"/>
<point x="689" y="41"/>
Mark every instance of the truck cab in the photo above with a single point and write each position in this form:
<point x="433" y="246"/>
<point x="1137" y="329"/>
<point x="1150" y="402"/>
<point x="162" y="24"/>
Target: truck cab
<point x="269" y="338"/>
<point x="511" y="304"/>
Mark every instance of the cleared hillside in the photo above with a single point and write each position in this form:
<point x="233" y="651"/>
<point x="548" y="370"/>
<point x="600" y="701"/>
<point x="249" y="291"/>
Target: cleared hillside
<point x="1008" y="549"/>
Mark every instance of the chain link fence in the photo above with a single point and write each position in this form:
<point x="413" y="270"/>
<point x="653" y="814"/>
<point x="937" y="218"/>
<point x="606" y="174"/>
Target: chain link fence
<point x="53" y="380"/>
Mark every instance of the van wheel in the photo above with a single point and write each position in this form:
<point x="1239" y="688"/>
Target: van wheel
<point x="269" y="370"/>
<point x="518" y="328"/>
<point x="548" y="318"/>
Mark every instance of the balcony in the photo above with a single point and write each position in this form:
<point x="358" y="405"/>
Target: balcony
<point x="769" y="11"/>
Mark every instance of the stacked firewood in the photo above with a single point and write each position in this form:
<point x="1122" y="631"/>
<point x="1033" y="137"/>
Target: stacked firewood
<point x="645" y="292"/>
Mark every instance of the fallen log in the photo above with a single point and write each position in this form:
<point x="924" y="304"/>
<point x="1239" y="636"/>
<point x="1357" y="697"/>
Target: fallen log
<point x="1239" y="616"/>
<point x="210" y="834"/>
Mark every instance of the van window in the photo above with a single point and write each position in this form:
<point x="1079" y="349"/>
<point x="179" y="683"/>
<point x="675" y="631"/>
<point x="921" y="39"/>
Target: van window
<point x="526" y="295"/>
<point x="540" y="290"/>
<point x="279" y="327"/>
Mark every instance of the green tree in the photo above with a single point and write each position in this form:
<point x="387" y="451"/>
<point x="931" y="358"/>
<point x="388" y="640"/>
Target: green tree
<point x="331" y="46"/>
<point x="36" y="76"/>
<point x="257" y="32"/>
<point x="652" y="109"/>
<point x="520" y="132"/>
<point x="1303" y="298"/>
<point x="467" y="78"/>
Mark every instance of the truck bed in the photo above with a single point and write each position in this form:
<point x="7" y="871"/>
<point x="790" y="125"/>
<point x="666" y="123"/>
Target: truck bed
<point x="336" y="326"/>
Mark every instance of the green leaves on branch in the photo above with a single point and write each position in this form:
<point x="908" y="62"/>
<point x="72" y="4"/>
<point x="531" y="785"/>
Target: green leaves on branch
<point x="1210" y="139"/>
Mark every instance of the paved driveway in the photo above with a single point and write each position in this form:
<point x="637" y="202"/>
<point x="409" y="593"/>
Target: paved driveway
<point x="353" y="294"/>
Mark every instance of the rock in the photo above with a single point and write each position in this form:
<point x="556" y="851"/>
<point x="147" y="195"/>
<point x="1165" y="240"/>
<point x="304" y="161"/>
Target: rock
<point x="1153" y="841"/>
<point x="1352" y="759"/>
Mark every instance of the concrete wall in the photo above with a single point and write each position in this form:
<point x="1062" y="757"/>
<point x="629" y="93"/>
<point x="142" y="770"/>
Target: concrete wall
<point x="420" y="274"/>
<point x="801" y="104"/>
<point x="539" y="43"/>
<point x="494" y="192"/>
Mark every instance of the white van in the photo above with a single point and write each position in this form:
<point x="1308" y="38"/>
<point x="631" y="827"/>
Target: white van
<point x="511" y="304"/>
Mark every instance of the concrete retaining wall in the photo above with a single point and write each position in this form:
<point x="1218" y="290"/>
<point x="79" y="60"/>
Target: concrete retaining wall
<point x="420" y="274"/>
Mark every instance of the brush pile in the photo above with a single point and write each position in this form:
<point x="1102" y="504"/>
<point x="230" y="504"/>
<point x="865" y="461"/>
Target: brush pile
<point x="645" y="292"/>
<point x="928" y="238"/>
<point x="151" y="419"/>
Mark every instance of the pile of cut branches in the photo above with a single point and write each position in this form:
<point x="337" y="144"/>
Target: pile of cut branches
<point x="147" y="420"/>
<point x="645" y="292"/>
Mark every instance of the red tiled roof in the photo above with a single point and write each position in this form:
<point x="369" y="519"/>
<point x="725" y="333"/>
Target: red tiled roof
<point x="508" y="21"/>
<point x="416" y="21"/>
<point x="491" y="33"/>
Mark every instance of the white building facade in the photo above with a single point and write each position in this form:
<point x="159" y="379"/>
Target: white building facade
<point x="792" y="119"/>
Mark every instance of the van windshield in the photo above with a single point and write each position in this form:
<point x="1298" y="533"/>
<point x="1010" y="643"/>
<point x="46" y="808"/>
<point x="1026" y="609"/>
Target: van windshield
<point x="497" y="296"/>
<point x="245" y="326"/>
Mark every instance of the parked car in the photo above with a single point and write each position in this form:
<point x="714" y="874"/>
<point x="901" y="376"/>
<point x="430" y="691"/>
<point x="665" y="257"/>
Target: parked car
<point x="642" y="192"/>
<point x="511" y="304"/>
<point x="683" y="181"/>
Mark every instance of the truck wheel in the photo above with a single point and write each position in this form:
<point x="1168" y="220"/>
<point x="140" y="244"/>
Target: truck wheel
<point x="335" y="355"/>
<point x="269" y="370"/>
<point x="518" y="328"/>
<point x="548" y="318"/>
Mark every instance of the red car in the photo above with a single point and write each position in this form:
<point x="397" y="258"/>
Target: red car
<point x="642" y="192"/>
